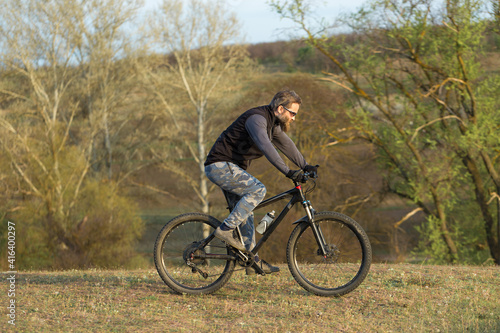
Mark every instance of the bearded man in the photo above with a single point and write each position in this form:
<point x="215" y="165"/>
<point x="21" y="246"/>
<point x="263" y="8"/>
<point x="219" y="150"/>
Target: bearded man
<point x="255" y="133"/>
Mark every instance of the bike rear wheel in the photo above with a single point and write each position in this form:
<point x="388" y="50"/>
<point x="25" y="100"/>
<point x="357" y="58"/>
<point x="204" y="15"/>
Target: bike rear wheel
<point x="181" y="263"/>
<point x="346" y="262"/>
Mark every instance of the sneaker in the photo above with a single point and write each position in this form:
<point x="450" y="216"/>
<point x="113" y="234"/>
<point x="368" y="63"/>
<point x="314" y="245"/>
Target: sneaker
<point x="227" y="237"/>
<point x="265" y="266"/>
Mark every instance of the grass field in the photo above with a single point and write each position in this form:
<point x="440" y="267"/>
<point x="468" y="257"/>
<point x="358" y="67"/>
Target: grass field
<point x="393" y="298"/>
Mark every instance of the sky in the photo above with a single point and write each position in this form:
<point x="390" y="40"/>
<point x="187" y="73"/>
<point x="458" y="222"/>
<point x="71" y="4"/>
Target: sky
<point x="260" y="24"/>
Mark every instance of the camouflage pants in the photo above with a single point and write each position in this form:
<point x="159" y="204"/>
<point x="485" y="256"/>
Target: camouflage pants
<point x="243" y="192"/>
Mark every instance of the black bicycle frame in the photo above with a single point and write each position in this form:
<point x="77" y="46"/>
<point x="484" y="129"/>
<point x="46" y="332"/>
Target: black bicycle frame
<point x="297" y="196"/>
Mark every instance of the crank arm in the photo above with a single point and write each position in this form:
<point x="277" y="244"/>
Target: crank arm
<point x="257" y="268"/>
<point x="195" y="268"/>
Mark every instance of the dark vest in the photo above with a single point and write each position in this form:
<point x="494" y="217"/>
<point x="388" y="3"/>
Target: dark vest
<point x="235" y="145"/>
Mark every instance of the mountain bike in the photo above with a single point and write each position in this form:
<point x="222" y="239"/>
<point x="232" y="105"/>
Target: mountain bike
<point x="328" y="253"/>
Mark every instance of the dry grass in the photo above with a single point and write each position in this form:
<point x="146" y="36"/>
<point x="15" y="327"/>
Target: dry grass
<point x="393" y="298"/>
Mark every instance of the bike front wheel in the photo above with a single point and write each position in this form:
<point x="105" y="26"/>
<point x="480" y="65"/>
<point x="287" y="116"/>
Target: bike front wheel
<point x="184" y="265"/>
<point x="347" y="259"/>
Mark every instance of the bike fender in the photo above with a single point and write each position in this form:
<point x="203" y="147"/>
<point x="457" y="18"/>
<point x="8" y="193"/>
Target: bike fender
<point x="302" y="219"/>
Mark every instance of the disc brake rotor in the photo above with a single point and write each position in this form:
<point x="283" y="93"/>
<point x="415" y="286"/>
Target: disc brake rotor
<point x="332" y="253"/>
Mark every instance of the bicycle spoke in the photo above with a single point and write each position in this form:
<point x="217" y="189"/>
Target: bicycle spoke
<point x="345" y="263"/>
<point x="183" y="265"/>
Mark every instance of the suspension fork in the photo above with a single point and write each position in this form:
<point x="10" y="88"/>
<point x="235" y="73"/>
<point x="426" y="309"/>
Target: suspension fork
<point x="320" y="239"/>
<point x="318" y="234"/>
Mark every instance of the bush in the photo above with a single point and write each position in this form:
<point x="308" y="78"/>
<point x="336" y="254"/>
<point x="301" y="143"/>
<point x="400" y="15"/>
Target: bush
<point x="101" y="231"/>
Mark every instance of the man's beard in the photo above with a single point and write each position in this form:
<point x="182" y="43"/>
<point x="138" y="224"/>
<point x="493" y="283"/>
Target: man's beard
<point x="284" y="124"/>
<point x="285" y="127"/>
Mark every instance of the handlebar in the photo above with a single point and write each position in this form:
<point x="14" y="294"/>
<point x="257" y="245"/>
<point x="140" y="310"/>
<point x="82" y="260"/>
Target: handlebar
<point x="302" y="176"/>
<point x="307" y="176"/>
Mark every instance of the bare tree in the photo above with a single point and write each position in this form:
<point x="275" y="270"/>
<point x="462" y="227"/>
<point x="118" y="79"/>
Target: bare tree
<point x="47" y="143"/>
<point x="202" y="62"/>
<point x="40" y="54"/>
<point x="105" y="55"/>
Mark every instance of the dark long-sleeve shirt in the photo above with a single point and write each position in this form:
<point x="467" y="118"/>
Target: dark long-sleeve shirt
<point x="256" y="125"/>
<point x="253" y="134"/>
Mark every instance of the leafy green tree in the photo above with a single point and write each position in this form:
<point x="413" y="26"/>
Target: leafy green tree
<point x="419" y="94"/>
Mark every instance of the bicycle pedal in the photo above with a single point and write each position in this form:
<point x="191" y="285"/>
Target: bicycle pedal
<point x="250" y="270"/>
<point x="245" y="258"/>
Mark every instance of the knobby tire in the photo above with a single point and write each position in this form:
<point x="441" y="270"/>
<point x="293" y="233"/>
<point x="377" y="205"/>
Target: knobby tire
<point x="173" y="245"/>
<point x="346" y="263"/>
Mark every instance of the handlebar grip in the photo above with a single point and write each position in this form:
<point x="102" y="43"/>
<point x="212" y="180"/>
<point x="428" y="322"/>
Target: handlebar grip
<point x="309" y="175"/>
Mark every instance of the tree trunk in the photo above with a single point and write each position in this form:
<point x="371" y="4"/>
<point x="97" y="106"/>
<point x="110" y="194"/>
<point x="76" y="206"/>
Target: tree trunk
<point x="482" y="201"/>
<point x="445" y="233"/>
<point x="201" y="165"/>
<point x="201" y="161"/>
<point x="107" y="144"/>
<point x="498" y="228"/>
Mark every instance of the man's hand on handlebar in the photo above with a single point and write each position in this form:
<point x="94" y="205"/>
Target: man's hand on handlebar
<point x="301" y="176"/>
<point x="297" y="176"/>
<point x="312" y="170"/>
